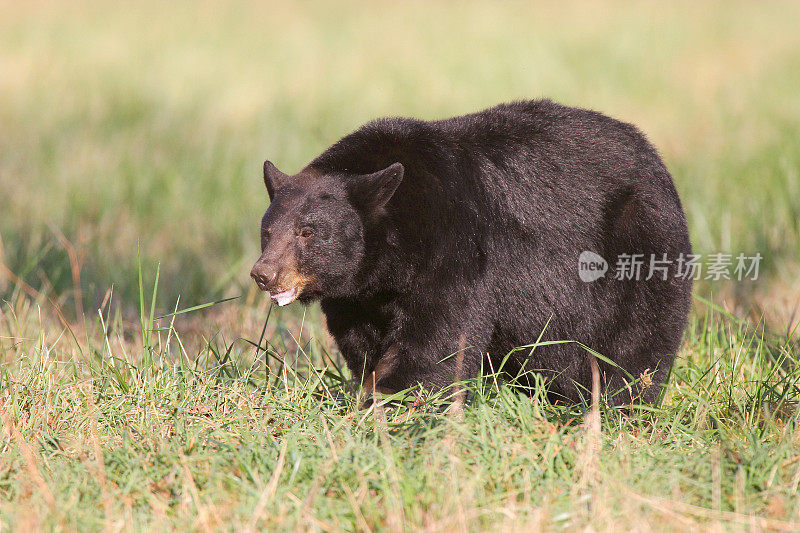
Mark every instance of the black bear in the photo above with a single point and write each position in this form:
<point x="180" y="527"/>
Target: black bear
<point x="482" y="233"/>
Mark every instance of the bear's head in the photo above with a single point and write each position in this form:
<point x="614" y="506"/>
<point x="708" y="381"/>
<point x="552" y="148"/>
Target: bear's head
<point x="313" y="233"/>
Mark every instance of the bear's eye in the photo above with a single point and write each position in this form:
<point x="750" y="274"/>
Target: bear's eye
<point x="307" y="232"/>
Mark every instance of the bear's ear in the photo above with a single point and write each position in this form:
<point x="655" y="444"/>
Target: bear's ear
<point x="372" y="191"/>
<point x="273" y="178"/>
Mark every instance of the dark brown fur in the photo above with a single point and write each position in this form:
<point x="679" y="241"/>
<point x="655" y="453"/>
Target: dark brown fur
<point x="422" y="233"/>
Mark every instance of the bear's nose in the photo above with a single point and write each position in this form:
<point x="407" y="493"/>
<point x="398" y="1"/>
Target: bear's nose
<point x="262" y="279"/>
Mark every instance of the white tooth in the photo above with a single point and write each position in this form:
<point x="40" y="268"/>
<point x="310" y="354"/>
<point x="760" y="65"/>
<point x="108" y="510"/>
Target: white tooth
<point x="284" y="298"/>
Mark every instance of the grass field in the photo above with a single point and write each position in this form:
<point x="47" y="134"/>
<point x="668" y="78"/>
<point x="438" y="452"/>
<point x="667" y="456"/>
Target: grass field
<point x="131" y="141"/>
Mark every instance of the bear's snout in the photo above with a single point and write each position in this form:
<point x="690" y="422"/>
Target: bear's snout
<point x="263" y="278"/>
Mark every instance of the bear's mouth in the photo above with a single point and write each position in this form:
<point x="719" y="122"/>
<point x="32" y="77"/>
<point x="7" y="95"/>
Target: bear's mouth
<point x="284" y="297"/>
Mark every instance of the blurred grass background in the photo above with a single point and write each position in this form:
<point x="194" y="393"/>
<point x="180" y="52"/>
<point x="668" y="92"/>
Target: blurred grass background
<point x="143" y="126"/>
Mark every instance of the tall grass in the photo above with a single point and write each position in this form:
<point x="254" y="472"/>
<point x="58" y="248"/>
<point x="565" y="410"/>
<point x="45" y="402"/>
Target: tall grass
<point x="141" y="426"/>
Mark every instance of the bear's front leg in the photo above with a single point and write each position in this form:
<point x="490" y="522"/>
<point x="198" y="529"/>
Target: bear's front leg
<point x="391" y="346"/>
<point x="431" y="359"/>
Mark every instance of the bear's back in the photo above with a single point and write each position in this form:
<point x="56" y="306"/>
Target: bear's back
<point x="515" y="181"/>
<point x="521" y="167"/>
